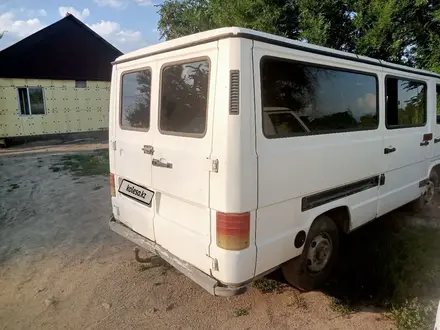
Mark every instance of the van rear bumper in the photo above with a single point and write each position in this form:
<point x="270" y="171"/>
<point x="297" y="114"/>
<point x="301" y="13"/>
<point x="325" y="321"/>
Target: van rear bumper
<point x="207" y="282"/>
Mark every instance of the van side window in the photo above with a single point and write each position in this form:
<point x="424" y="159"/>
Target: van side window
<point x="405" y="103"/>
<point x="438" y="103"/>
<point x="184" y="98"/>
<point x="135" y="100"/>
<point x="302" y="99"/>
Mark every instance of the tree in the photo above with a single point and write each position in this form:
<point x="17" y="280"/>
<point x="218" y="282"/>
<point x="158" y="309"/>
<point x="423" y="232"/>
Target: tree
<point x="179" y="18"/>
<point x="327" y="23"/>
<point x="399" y="31"/>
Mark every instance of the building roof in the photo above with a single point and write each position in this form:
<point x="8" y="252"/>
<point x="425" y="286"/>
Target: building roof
<point x="234" y="32"/>
<point x="65" y="50"/>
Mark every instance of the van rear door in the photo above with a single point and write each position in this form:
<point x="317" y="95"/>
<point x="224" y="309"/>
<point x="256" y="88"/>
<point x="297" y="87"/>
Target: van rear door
<point x="133" y="146"/>
<point x="182" y="150"/>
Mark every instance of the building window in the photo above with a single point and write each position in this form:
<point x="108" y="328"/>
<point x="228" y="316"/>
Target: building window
<point x="31" y="101"/>
<point x="406" y="103"/>
<point x="184" y="98"/>
<point x="135" y="100"/>
<point x="80" y="83"/>
<point x="303" y="99"/>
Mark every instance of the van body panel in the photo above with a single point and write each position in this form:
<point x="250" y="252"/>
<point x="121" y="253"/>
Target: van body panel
<point x="130" y="161"/>
<point x="183" y="229"/>
<point x="234" y="188"/>
<point x="182" y="223"/>
<point x="275" y="235"/>
<point x="179" y="215"/>
<point x="292" y="168"/>
<point x="234" y="267"/>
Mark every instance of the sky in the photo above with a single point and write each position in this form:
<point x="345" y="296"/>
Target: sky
<point x="126" y="24"/>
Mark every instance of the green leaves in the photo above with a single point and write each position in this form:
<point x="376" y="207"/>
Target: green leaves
<point x="179" y="18"/>
<point x="399" y="31"/>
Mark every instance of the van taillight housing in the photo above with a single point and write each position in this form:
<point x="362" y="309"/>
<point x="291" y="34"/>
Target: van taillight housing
<point x="233" y="230"/>
<point x="112" y="185"/>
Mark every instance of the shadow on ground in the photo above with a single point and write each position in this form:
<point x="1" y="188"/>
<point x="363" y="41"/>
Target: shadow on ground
<point x="365" y="270"/>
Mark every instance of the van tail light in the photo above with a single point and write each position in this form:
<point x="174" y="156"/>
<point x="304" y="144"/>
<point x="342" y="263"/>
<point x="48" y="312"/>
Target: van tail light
<point x="112" y="185"/>
<point x="233" y="230"/>
<point x="427" y="137"/>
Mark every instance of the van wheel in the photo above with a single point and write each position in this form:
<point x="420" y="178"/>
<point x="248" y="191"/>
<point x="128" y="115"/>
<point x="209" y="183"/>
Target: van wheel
<point x="431" y="187"/>
<point x="313" y="267"/>
<point x="428" y="196"/>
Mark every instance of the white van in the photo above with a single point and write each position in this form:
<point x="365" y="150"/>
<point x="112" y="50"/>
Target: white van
<point x="234" y="152"/>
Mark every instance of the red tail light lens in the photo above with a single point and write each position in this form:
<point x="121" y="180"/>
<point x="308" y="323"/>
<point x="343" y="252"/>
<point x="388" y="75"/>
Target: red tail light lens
<point x="427" y="137"/>
<point x="233" y="230"/>
<point x="112" y="185"/>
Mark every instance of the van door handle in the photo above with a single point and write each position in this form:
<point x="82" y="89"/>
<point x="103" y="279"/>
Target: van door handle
<point x="424" y="143"/>
<point x="159" y="163"/>
<point x="436" y="140"/>
<point x="389" y="150"/>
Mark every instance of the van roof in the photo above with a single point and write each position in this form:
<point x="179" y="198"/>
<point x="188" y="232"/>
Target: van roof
<point x="231" y="32"/>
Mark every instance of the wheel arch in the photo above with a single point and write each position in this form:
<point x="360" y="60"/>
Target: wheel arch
<point x="340" y="214"/>
<point x="435" y="166"/>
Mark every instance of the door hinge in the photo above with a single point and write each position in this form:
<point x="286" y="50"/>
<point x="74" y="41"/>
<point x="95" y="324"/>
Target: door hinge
<point x="382" y="179"/>
<point x="113" y="145"/>
<point x="214" y="168"/>
<point x="215" y="264"/>
<point x="149" y="150"/>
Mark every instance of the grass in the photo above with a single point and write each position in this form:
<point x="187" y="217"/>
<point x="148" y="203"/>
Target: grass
<point x="414" y="315"/>
<point x="391" y="267"/>
<point x="298" y="302"/>
<point x="340" y="307"/>
<point x="241" y="312"/>
<point x="80" y="165"/>
<point x="266" y="285"/>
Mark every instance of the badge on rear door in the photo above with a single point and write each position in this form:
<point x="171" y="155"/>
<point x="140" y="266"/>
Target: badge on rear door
<point x="139" y="193"/>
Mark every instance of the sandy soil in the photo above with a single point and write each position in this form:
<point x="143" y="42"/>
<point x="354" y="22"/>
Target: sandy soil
<point x="62" y="268"/>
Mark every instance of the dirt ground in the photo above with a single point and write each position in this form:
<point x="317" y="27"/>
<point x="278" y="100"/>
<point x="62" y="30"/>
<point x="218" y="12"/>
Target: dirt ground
<point x="62" y="268"/>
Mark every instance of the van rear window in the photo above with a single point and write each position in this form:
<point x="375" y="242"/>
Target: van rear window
<point x="135" y="100"/>
<point x="315" y="99"/>
<point x="184" y="98"/>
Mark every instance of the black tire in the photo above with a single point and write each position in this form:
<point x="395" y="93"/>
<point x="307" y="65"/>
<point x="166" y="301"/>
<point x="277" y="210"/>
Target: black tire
<point x="297" y="271"/>
<point x="433" y="176"/>
<point x="417" y="204"/>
